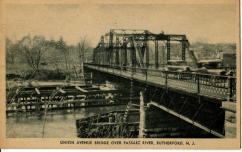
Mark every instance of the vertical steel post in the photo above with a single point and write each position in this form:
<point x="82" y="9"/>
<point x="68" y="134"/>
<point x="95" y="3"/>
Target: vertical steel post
<point x="117" y="51"/>
<point x="110" y="50"/>
<point x="105" y="55"/>
<point x="101" y="55"/>
<point x="168" y="47"/>
<point x="125" y="53"/>
<point x="156" y="55"/>
<point x="183" y="50"/>
<point x="147" y="50"/>
<point x="133" y="55"/>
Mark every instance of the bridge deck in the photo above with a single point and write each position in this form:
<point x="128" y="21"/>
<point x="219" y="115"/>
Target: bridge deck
<point x="217" y="87"/>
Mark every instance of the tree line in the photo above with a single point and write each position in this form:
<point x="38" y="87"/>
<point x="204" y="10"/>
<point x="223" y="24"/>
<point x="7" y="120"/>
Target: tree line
<point x="35" y="54"/>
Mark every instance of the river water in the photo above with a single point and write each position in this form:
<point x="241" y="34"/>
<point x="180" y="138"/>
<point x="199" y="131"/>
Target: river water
<point x="59" y="123"/>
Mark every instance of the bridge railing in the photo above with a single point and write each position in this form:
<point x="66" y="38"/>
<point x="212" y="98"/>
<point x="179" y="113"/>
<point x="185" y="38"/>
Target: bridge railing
<point x="217" y="86"/>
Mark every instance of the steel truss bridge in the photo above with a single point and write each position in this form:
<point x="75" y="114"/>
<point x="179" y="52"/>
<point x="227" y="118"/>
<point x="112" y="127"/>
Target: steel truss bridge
<point x="141" y="55"/>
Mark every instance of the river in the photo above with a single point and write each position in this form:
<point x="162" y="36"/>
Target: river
<point x="59" y="123"/>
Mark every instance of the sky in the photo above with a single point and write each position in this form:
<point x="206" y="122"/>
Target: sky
<point x="214" y="23"/>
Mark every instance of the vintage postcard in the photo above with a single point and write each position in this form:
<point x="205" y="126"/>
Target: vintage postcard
<point x="120" y="74"/>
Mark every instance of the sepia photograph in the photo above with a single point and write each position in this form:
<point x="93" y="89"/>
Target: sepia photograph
<point x="117" y="73"/>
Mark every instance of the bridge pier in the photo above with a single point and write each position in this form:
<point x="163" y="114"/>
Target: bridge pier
<point x="230" y="119"/>
<point x="142" y="124"/>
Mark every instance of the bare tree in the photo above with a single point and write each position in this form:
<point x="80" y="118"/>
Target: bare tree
<point x="83" y="47"/>
<point x="33" y="51"/>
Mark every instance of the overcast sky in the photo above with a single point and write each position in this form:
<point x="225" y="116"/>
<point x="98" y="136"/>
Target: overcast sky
<point x="206" y="22"/>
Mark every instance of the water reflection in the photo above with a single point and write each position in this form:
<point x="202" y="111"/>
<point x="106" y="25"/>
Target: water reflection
<point x="59" y="123"/>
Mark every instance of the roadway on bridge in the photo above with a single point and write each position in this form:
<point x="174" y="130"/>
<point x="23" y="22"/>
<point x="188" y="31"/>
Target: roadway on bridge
<point x="220" y="93"/>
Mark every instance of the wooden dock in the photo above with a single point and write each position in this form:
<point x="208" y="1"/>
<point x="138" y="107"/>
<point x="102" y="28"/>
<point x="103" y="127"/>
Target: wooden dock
<point x="60" y="97"/>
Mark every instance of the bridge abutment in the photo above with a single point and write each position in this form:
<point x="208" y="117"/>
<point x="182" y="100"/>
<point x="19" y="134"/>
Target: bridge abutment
<point x="230" y="119"/>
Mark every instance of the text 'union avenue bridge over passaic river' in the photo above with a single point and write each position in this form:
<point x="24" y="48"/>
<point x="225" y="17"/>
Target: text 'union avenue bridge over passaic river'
<point x="171" y="78"/>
